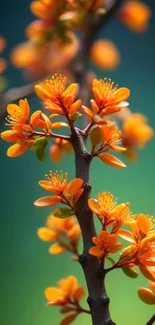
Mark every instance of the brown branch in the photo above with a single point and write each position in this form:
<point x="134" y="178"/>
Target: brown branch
<point x="151" y="320"/>
<point x="97" y="300"/>
<point x="81" y="61"/>
<point x="95" y="277"/>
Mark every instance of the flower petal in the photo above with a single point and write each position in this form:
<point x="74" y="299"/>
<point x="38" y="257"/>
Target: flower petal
<point x="126" y="235"/>
<point x="87" y="111"/>
<point x="78" y="294"/>
<point x="96" y="251"/>
<point x="147" y="296"/>
<point x="111" y="160"/>
<point x="56" y="249"/>
<point x="94" y="206"/>
<point x="47" y="234"/>
<point x="46" y="185"/>
<point x="47" y="201"/>
<point x="10" y="136"/>
<point x="68" y="319"/>
<point x="53" y="294"/>
<point x="147" y="273"/>
<point x="24" y="106"/>
<point x="115" y="248"/>
<point x="18" y="149"/>
<point x="121" y="94"/>
<point x="41" y="92"/>
<point x="71" y="90"/>
<point x="68" y="285"/>
<point x="73" y="186"/>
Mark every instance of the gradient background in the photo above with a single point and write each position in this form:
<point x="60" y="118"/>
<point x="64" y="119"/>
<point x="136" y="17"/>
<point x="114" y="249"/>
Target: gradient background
<point x="26" y="267"/>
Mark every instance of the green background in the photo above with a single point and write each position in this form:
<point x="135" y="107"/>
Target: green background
<point x="26" y="267"/>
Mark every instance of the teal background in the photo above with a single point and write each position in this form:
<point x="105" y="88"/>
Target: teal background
<point x="26" y="267"/>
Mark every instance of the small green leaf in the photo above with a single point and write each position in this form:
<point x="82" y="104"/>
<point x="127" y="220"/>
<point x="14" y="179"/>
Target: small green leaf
<point x="40" y="153"/>
<point x="39" y="143"/>
<point x="111" y="260"/>
<point x="76" y="116"/>
<point x="63" y="213"/>
<point x="131" y="273"/>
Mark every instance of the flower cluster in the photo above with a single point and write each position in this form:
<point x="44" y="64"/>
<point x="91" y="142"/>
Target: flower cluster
<point x="57" y="98"/>
<point x="24" y="129"/>
<point x="65" y="193"/>
<point x="65" y="232"/>
<point x="104" y="134"/>
<point x="140" y="252"/>
<point x="104" y="138"/>
<point x="67" y="296"/>
<point x="50" y="44"/>
<point x="135" y="15"/>
<point x="108" y="99"/>
<point x="135" y="134"/>
<point x="60" y="100"/>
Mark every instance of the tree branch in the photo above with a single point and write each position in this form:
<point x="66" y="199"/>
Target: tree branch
<point x="151" y="320"/>
<point x="80" y="63"/>
<point x="97" y="300"/>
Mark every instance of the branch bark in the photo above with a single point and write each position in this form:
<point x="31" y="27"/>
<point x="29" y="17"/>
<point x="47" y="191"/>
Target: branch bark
<point x="151" y="320"/>
<point x="97" y="300"/>
<point x="81" y="61"/>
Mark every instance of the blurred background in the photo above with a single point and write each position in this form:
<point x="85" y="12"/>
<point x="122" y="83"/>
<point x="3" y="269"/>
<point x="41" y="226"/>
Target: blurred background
<point x="26" y="266"/>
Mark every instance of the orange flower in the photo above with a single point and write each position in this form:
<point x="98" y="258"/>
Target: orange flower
<point x="40" y="55"/>
<point x="105" y="55"/>
<point x="67" y="295"/>
<point x="18" y="115"/>
<point x="141" y="228"/>
<point x="108" y="212"/>
<point x="147" y="295"/>
<point x="65" y="193"/>
<point x="68" y="291"/>
<point x="58" y="99"/>
<point x="59" y="229"/>
<point x="105" y="244"/>
<point x="136" y="133"/>
<point x="58" y="148"/>
<point x="23" y="128"/>
<point x="43" y="9"/>
<point x="25" y="55"/>
<point x="146" y="252"/>
<point x="108" y="98"/>
<point x="121" y="215"/>
<point x="135" y="15"/>
<point x="38" y="28"/>
<point x="141" y="254"/>
<point x="111" y="136"/>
